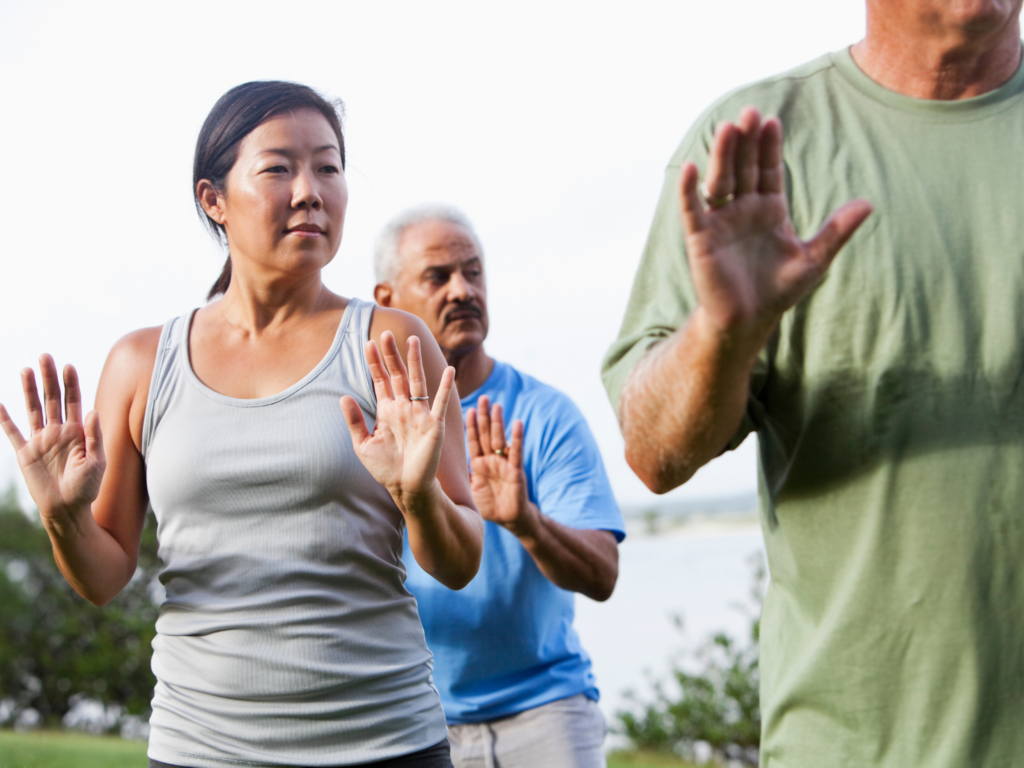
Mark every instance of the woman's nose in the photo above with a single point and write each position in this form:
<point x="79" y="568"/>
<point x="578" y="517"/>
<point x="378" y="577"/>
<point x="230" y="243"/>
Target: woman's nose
<point x="305" y="192"/>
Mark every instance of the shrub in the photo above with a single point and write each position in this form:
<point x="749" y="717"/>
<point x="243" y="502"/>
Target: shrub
<point x="716" y="708"/>
<point x="55" y="647"/>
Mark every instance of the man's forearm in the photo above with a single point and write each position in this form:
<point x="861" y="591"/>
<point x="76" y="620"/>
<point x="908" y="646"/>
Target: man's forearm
<point x="685" y="400"/>
<point x="579" y="560"/>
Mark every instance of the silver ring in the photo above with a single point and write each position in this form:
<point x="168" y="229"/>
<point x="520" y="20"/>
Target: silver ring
<point x="715" y="202"/>
<point x="419" y="398"/>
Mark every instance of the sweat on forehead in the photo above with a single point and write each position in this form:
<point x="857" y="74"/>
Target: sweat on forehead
<point x="387" y="260"/>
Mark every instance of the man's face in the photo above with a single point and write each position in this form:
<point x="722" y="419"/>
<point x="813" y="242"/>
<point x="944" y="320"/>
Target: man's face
<point x="441" y="281"/>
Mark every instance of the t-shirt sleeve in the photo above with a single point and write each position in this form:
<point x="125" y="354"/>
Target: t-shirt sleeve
<point x="663" y="297"/>
<point x="569" y="482"/>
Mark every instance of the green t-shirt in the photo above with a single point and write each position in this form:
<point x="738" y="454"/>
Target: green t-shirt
<point x="889" y="409"/>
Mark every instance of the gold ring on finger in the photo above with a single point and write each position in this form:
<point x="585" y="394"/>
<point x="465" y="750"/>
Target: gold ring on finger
<point x="499" y="451"/>
<point x="715" y="202"/>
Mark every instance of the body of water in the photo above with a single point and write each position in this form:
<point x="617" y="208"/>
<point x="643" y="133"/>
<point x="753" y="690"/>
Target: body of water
<point x="702" y="572"/>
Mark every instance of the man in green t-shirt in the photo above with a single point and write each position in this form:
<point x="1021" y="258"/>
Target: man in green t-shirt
<point x="886" y="389"/>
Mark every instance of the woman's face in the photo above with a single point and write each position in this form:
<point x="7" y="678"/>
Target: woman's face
<point x="284" y="203"/>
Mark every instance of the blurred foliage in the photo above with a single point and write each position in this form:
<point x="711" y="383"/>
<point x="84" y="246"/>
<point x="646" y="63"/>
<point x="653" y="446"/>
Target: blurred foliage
<point x="714" y="710"/>
<point x="54" y="645"/>
<point x="634" y="759"/>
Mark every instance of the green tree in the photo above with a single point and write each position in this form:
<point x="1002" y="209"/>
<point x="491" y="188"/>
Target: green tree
<point x="717" y="705"/>
<point x="54" y="645"/>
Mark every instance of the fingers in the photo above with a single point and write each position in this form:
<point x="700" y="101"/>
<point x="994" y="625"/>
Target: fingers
<point x="51" y="389"/>
<point x="771" y="173"/>
<point x="354" y="418"/>
<point x="488" y="429"/>
<point x="72" y="395"/>
<point x="497" y="429"/>
<point x="483" y="417"/>
<point x="720" y="178"/>
<point x="747" y="152"/>
<point x="744" y="158"/>
<point x="836" y="231"/>
<point x="417" y="378"/>
<point x="515" y="451"/>
<point x="32" y="404"/>
<point x="381" y="381"/>
<point x="692" y="209"/>
<point x="94" y="437"/>
<point x="396" y="368"/>
<point x="11" y="429"/>
<point x="444" y="391"/>
<point x="472" y="434"/>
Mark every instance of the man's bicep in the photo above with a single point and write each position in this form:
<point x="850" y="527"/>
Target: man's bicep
<point x="571" y="484"/>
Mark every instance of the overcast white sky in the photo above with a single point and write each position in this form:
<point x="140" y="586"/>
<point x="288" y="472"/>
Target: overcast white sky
<point x="548" y="123"/>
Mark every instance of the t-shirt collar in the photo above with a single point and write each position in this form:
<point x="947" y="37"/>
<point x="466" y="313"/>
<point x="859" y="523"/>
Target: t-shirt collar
<point x="970" y="109"/>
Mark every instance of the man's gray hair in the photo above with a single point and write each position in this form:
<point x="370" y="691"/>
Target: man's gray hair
<point x="386" y="262"/>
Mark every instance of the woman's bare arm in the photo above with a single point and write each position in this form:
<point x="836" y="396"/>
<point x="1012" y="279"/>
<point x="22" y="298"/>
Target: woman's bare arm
<point x="89" y="484"/>
<point x="417" y="449"/>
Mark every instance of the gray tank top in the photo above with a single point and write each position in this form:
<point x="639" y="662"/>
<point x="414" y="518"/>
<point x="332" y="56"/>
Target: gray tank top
<point x="287" y="636"/>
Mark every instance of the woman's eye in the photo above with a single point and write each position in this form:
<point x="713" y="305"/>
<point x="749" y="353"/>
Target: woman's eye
<point x="275" y="169"/>
<point x="329" y="169"/>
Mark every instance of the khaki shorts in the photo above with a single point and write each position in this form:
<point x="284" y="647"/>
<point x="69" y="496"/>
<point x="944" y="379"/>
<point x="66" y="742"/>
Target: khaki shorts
<point x="563" y="734"/>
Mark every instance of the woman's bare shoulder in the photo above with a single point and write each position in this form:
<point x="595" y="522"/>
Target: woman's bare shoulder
<point x="401" y="324"/>
<point x="130" y="362"/>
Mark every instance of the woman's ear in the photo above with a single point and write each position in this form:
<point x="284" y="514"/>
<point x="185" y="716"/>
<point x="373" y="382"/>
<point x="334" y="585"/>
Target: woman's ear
<point x="210" y="200"/>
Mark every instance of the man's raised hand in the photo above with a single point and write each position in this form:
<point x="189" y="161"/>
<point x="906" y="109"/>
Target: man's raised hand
<point x="498" y="480"/>
<point x="62" y="460"/>
<point x="747" y="262"/>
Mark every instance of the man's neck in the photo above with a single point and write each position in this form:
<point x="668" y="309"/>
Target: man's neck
<point x="909" y="57"/>
<point x="471" y="368"/>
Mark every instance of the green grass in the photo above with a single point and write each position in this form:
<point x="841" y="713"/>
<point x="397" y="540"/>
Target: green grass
<point x="645" y="760"/>
<point x="53" y="749"/>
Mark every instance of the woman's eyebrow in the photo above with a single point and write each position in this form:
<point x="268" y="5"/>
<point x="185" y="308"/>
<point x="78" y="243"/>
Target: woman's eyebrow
<point x="290" y="152"/>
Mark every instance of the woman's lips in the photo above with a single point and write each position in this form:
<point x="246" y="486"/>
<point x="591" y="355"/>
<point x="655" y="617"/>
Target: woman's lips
<point x="312" y="231"/>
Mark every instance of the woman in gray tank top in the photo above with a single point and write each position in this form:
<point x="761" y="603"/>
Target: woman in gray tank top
<point x="287" y="636"/>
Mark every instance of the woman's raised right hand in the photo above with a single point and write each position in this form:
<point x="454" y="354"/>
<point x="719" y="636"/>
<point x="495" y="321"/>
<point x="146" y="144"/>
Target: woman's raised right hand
<point x="62" y="460"/>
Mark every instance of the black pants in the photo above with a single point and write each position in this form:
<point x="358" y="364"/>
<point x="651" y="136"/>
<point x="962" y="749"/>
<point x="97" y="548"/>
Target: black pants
<point x="437" y="756"/>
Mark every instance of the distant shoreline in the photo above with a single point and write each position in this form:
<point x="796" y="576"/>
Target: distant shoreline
<point x="695" y="526"/>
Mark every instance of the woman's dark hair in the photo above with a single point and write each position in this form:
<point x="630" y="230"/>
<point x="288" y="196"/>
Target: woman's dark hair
<point x="237" y="114"/>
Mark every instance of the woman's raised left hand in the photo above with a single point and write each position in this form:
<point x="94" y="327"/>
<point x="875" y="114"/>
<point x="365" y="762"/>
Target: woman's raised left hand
<point x="404" y="450"/>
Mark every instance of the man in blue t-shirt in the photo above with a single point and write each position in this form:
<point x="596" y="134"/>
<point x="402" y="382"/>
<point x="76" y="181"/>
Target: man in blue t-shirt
<point x="516" y="685"/>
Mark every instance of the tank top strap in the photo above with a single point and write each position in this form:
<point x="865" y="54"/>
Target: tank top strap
<point x="166" y="372"/>
<point x="352" y="355"/>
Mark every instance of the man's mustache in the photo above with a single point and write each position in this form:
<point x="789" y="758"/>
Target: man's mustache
<point x="462" y="308"/>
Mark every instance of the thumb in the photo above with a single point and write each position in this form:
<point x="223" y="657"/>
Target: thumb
<point x="94" y="438"/>
<point x="354" y="418"/>
<point x="444" y="391"/>
<point x="839" y="228"/>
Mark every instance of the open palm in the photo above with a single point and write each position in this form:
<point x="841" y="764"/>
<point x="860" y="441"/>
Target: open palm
<point x="62" y="460"/>
<point x="498" y="480"/>
<point x="748" y="264"/>
<point x="404" y="450"/>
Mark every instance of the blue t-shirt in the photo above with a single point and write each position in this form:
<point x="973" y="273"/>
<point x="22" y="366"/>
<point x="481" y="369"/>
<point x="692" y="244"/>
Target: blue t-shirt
<point x="505" y="642"/>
